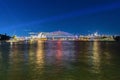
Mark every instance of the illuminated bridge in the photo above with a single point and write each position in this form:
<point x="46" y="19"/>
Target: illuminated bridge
<point x="56" y="35"/>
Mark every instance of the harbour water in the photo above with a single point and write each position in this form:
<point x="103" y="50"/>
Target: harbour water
<point x="60" y="60"/>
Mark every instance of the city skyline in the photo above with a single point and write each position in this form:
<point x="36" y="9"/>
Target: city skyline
<point x="78" y="17"/>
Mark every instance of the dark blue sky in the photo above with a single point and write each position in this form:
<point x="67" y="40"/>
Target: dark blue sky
<point x="75" y="16"/>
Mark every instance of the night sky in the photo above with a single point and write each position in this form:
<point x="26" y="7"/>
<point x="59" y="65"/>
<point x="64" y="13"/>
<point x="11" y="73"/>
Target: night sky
<point x="74" y="16"/>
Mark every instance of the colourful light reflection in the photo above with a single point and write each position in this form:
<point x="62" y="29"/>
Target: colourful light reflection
<point x="59" y="50"/>
<point x="96" y="57"/>
<point x="40" y="54"/>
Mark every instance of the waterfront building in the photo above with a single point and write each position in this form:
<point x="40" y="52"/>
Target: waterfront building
<point x="57" y="35"/>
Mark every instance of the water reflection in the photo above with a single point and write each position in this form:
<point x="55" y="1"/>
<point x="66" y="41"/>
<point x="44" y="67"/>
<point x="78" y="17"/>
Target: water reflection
<point x="4" y="60"/>
<point x="40" y="54"/>
<point x="60" y="60"/>
<point x="94" y="57"/>
<point x="59" y="53"/>
<point x="106" y="52"/>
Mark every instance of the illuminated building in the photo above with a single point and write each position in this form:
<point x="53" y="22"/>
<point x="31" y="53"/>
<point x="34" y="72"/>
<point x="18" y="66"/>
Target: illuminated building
<point x="57" y="35"/>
